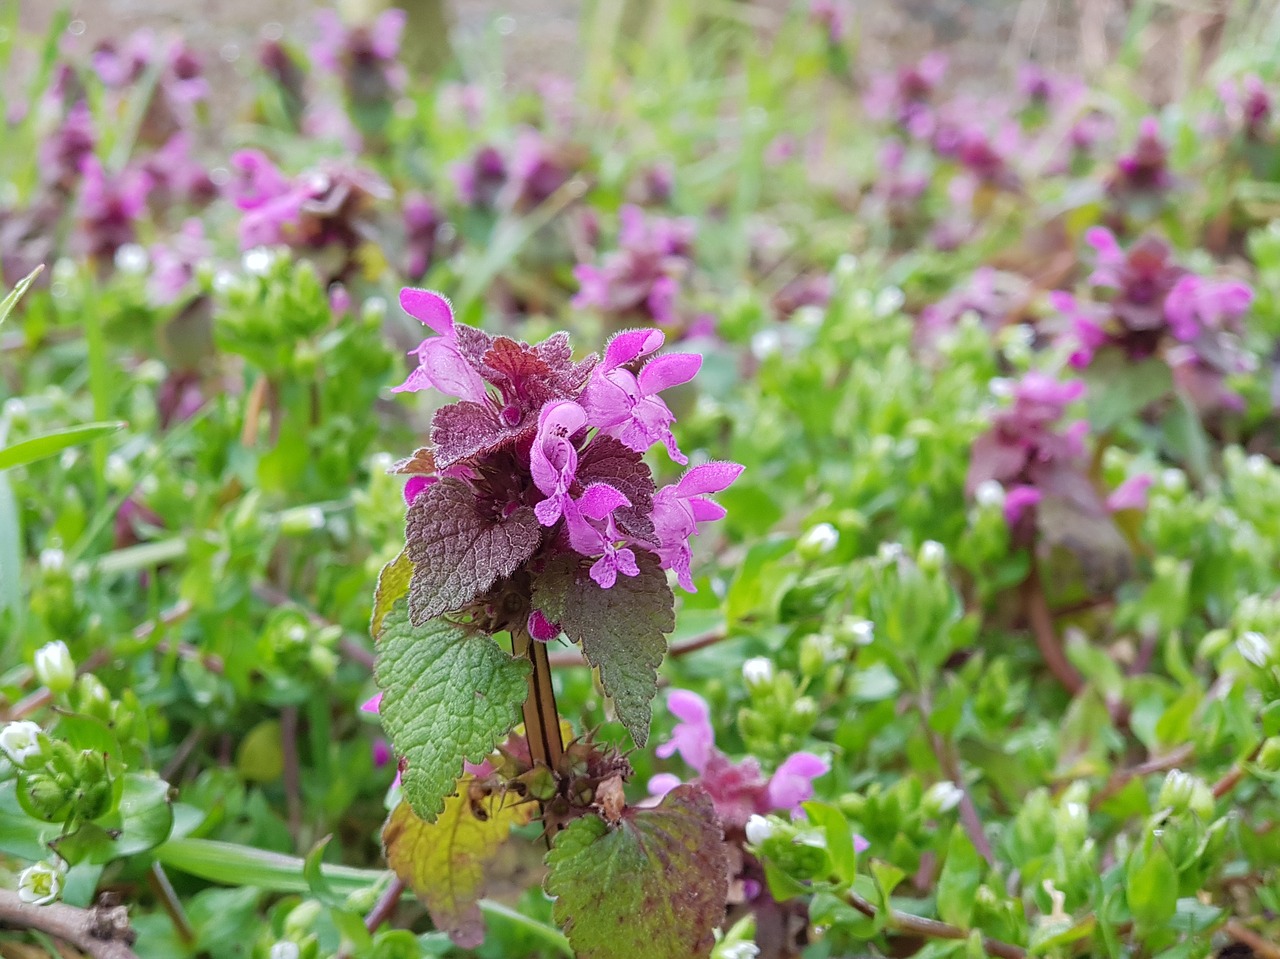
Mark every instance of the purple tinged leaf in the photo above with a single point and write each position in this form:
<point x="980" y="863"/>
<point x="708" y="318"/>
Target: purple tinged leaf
<point x="622" y="630"/>
<point x="654" y="886"/>
<point x="459" y="550"/>
<point x="464" y="429"/>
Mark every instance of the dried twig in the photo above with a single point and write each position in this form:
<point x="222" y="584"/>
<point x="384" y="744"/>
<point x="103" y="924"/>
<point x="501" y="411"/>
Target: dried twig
<point x="99" y="932"/>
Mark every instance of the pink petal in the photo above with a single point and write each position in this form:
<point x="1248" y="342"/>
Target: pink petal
<point x="1131" y="494"/>
<point x="663" y="783"/>
<point x="712" y="477"/>
<point x="600" y="499"/>
<point x="663" y="372"/>
<point x="792" y="784"/>
<point x="373" y="705"/>
<point x="429" y="308"/>
<point x="629" y="345"/>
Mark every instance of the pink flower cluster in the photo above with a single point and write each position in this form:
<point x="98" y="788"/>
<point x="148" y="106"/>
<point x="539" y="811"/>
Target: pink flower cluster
<point x="740" y="789"/>
<point x="574" y="432"/>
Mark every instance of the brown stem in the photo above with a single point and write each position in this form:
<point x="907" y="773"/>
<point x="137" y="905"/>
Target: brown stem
<point x="1037" y="609"/>
<point x="933" y="929"/>
<point x="99" y="932"/>
<point x="541" y="718"/>
<point x="385" y="907"/>
<point x="1232" y="778"/>
<point x="292" y="771"/>
<point x="944" y="751"/>
<point x="1238" y="931"/>
<point x="158" y="880"/>
<point x="253" y="409"/>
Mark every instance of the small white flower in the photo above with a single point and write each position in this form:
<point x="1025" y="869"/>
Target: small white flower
<point x="863" y="632"/>
<point x="284" y="949"/>
<point x="819" y="540"/>
<point x="54" y="666"/>
<point x="766" y="343"/>
<point x="258" y="261"/>
<point x="296" y="634"/>
<point x="40" y="884"/>
<point x="20" y="740"/>
<point x="944" y="796"/>
<point x="1254" y="647"/>
<point x="759" y="829"/>
<point x="1258" y="465"/>
<point x="53" y="560"/>
<point x="889" y="552"/>
<point x="846" y="266"/>
<point x="1173" y="481"/>
<point x="989" y="494"/>
<point x="1001" y="386"/>
<point x="889" y="301"/>
<point x="132" y="259"/>
<point x="740" y="950"/>
<point x="224" y="281"/>
<point x="757" y="671"/>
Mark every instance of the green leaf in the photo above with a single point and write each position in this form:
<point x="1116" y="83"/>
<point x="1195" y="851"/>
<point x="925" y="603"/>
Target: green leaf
<point x="47" y="444"/>
<point x="958" y="883"/>
<point x="142" y="820"/>
<point x="393" y="583"/>
<point x="835" y="827"/>
<point x="1119" y="389"/>
<point x="444" y="862"/>
<point x="313" y="872"/>
<point x="450" y="695"/>
<point x="622" y="630"/>
<point x="10" y="301"/>
<point x="1151" y="886"/>
<point x="654" y="885"/>
<point x="21" y="834"/>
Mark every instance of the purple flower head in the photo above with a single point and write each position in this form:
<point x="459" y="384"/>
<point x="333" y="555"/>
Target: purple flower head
<point x="480" y="180"/>
<point x="1248" y="105"/>
<point x="1145" y="169"/>
<point x="173" y="262"/>
<point x="1044" y="90"/>
<point x="627" y="405"/>
<point x="422" y="222"/>
<point x="180" y="85"/>
<point x="654" y="186"/>
<point x="1027" y="449"/>
<point x="322" y="209"/>
<point x="641" y="279"/>
<point x="109" y="207"/>
<point x="545" y="455"/>
<point x="832" y="16"/>
<point x="538" y="169"/>
<point x="738" y="790"/>
<point x="1197" y="305"/>
<point x="906" y="97"/>
<point x="991" y="295"/>
<point x="62" y="154"/>
<point x="365" y="58"/>
<point x="177" y="176"/>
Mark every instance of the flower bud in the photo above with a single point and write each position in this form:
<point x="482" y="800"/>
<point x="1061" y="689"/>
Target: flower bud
<point x="759" y="829"/>
<point x="55" y="668"/>
<point x="932" y="556"/>
<point x="1269" y="755"/>
<point x="301" y="520"/>
<point x="757" y="672"/>
<point x="21" y="742"/>
<point x="818" y="541"/>
<point x="40" y="884"/>
<point x="941" y="798"/>
<point x="816" y="651"/>
<point x="1183" y="792"/>
<point x="284" y="949"/>
<point x="989" y="494"/>
<point x="1255" y="648"/>
<point x="50" y="796"/>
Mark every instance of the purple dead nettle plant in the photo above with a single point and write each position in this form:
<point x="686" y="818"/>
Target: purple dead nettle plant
<point x="532" y="514"/>
<point x="1141" y="303"/>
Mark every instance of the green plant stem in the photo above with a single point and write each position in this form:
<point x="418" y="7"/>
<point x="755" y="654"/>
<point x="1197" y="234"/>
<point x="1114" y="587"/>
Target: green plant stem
<point x="933" y="929"/>
<point x="99" y="933"/>
<point x="236" y="865"/>
<point x="159" y="882"/>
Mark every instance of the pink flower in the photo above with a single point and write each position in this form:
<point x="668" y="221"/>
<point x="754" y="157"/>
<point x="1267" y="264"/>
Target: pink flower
<point x="1131" y="494"/>
<point x="440" y="364"/>
<point x="553" y="459"/>
<point x="627" y="406"/>
<point x="693" y="738"/>
<point x="1196" y="304"/>
<point x="1018" y="500"/>
<point x="593" y="530"/>
<point x="792" y="782"/>
<point x="680" y="507"/>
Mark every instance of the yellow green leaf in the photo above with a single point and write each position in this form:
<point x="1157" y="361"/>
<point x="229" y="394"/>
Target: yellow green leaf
<point x="444" y="862"/>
